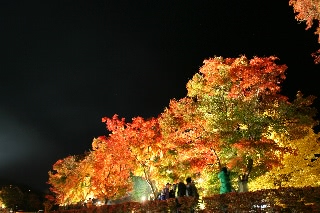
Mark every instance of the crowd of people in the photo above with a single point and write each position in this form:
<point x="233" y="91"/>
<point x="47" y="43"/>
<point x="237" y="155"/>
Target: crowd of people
<point x="180" y="189"/>
<point x="189" y="189"/>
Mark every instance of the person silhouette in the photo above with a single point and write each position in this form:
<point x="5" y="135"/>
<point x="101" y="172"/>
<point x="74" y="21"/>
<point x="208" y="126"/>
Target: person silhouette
<point x="224" y="178"/>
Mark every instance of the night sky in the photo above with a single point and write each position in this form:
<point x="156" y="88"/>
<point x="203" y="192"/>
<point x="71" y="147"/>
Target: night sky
<point x="66" y="64"/>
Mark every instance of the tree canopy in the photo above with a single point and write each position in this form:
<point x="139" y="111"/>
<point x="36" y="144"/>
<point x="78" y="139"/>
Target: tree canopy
<point x="232" y="108"/>
<point x="298" y="170"/>
<point x="309" y="12"/>
<point x="233" y="115"/>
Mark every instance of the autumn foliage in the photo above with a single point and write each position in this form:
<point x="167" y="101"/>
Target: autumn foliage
<point x="298" y="170"/>
<point x="232" y="108"/>
<point x="70" y="179"/>
<point x="233" y="114"/>
<point x="142" y="144"/>
<point x="112" y="165"/>
<point x="309" y="12"/>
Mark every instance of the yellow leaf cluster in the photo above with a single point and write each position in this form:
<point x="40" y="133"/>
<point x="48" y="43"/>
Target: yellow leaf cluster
<point x="298" y="169"/>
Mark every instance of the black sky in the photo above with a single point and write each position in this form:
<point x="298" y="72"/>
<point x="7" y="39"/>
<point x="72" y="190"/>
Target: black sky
<point x="66" y="64"/>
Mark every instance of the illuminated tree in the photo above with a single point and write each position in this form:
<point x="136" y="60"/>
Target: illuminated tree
<point x="60" y="180"/>
<point x="189" y="145"/>
<point x="232" y="116"/>
<point x="299" y="170"/>
<point x="142" y="142"/>
<point x="70" y="179"/>
<point x="308" y="11"/>
<point x="130" y="149"/>
<point x="232" y="107"/>
<point x="113" y="166"/>
<point x="85" y="170"/>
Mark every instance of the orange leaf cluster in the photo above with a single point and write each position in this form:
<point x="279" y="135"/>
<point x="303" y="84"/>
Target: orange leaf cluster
<point x="308" y="11"/>
<point x="248" y="77"/>
<point x="232" y="110"/>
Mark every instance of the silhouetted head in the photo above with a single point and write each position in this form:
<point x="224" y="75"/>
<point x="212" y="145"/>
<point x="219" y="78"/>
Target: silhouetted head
<point x="224" y="169"/>
<point x="181" y="189"/>
<point x="188" y="179"/>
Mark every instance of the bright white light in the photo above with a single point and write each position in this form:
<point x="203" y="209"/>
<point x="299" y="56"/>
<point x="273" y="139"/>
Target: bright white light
<point x="200" y="180"/>
<point x="143" y="198"/>
<point x="202" y="206"/>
